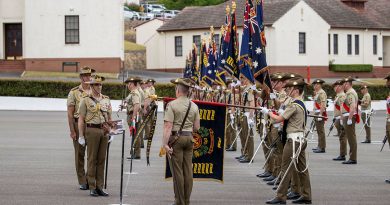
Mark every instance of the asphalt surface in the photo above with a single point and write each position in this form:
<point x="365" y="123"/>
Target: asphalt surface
<point x="37" y="167"/>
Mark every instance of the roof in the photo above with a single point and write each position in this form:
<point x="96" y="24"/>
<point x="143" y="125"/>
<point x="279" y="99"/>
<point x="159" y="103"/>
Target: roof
<point x="145" y="22"/>
<point x="203" y="17"/>
<point x="375" y="15"/>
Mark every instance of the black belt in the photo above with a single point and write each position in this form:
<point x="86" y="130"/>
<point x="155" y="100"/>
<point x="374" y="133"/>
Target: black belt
<point x="183" y="133"/>
<point x="76" y="119"/>
<point x="99" y="126"/>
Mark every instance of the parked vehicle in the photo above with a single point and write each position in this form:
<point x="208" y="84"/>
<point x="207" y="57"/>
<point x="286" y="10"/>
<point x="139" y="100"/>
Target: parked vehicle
<point x="170" y="13"/>
<point x="129" y="14"/>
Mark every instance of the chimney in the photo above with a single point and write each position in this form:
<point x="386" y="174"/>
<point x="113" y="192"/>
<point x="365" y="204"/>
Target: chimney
<point x="356" y="4"/>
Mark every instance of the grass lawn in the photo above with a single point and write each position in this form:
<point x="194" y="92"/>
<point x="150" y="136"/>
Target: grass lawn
<point x="130" y="46"/>
<point x="41" y="74"/>
<point x="374" y="81"/>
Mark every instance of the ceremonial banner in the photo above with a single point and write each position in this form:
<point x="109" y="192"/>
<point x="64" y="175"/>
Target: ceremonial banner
<point x="209" y="142"/>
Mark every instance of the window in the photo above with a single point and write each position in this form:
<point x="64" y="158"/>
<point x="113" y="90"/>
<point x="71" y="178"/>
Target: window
<point x="217" y="40"/>
<point x="374" y="45"/>
<point x="349" y="44"/>
<point x="72" y="34"/>
<point x="302" y="42"/>
<point x="335" y="44"/>
<point x="178" y="46"/>
<point x="356" y="44"/>
<point x="196" y="40"/>
<point x="328" y="43"/>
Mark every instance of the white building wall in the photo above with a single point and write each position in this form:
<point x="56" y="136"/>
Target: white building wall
<point x="101" y="29"/>
<point x="11" y="11"/>
<point x="366" y="55"/>
<point x="147" y="30"/>
<point x="300" y="18"/>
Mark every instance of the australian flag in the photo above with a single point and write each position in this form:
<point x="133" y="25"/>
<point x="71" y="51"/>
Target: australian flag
<point x="246" y="47"/>
<point x="259" y="63"/>
<point x="230" y="56"/>
<point x="209" y="77"/>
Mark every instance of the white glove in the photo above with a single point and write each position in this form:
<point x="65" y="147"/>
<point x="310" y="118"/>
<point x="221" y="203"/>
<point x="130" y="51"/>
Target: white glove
<point x="251" y="123"/>
<point x="319" y="119"/>
<point x="238" y="82"/>
<point x="341" y="122"/>
<point x="110" y="138"/>
<point x="233" y="84"/>
<point x="253" y="87"/>
<point x="231" y="117"/>
<point x="264" y="110"/>
<point x="349" y="122"/>
<point x="82" y="141"/>
<point x="272" y="96"/>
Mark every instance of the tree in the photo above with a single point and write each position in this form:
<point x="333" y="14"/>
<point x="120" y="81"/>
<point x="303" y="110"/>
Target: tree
<point x="180" y="4"/>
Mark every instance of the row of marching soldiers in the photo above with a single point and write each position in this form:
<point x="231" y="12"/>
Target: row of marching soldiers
<point x="283" y="146"/>
<point x="89" y="118"/>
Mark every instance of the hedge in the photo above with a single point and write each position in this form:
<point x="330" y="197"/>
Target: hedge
<point x="351" y="68"/>
<point x="60" y="89"/>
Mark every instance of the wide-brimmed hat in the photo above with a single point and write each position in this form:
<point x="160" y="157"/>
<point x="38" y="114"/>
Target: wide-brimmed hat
<point x="86" y="70"/>
<point x="133" y="79"/>
<point x="338" y="82"/>
<point x="96" y="79"/>
<point x="348" y="79"/>
<point x="363" y="87"/>
<point x="288" y="76"/>
<point x="296" y="82"/>
<point x="277" y="76"/>
<point x="151" y="80"/>
<point x="318" y="81"/>
<point x="182" y="81"/>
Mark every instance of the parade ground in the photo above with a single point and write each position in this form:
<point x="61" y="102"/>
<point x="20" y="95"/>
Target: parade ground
<point x="37" y="167"/>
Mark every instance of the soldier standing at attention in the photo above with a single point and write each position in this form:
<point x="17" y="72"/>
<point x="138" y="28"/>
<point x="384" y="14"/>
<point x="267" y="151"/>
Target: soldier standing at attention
<point x="247" y="121"/>
<point x="294" y="118"/>
<point x="180" y="120"/>
<point x="94" y="111"/>
<point x="74" y="97"/>
<point x="338" y="103"/>
<point x="320" y="109"/>
<point x="350" y="117"/>
<point x="133" y="106"/>
<point x="365" y="104"/>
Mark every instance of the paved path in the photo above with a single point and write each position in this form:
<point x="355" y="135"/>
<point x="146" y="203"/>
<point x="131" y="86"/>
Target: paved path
<point x="36" y="167"/>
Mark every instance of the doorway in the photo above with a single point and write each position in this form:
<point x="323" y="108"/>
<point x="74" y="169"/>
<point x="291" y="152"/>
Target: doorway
<point x="13" y="41"/>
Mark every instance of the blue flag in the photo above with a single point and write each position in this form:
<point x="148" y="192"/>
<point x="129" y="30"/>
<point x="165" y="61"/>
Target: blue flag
<point x="246" y="47"/>
<point x="259" y="63"/>
<point x="230" y="57"/>
<point x="187" y="70"/>
<point x="194" y="66"/>
<point x="203" y="64"/>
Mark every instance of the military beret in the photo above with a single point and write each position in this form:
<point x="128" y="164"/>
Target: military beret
<point x="296" y="82"/>
<point x="318" y="81"/>
<point x="182" y="81"/>
<point x="133" y="80"/>
<point x="86" y="70"/>
<point x="348" y="79"/>
<point x="96" y="79"/>
<point x="288" y="76"/>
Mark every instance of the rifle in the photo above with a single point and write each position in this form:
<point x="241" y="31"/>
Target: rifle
<point x="331" y="127"/>
<point x="310" y="129"/>
<point x="384" y="142"/>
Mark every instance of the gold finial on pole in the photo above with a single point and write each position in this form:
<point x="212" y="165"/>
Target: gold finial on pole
<point x="227" y="10"/>
<point x="234" y="6"/>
